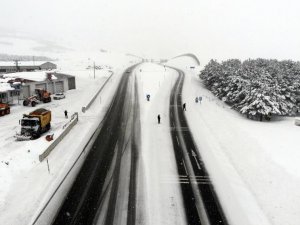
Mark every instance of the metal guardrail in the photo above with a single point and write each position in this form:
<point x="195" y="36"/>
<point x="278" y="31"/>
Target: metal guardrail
<point x="67" y="127"/>
<point x="72" y="123"/>
<point x="84" y="108"/>
<point x="87" y="146"/>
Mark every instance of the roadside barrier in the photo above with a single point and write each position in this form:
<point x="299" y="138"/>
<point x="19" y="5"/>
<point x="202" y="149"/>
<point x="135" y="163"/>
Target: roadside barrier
<point x="84" y="108"/>
<point x="67" y="127"/>
<point x="88" y="145"/>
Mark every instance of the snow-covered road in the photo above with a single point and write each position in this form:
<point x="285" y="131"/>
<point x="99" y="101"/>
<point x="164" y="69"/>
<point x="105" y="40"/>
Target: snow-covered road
<point x="200" y="200"/>
<point x="250" y="163"/>
<point x="94" y="197"/>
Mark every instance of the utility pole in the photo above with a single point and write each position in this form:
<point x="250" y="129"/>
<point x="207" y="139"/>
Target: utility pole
<point x="94" y="70"/>
<point x="17" y="65"/>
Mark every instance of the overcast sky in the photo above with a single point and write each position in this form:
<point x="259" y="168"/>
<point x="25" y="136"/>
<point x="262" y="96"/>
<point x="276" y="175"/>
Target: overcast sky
<point x="218" y="29"/>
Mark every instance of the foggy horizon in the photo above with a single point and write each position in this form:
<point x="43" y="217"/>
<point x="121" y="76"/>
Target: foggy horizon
<point x="156" y="29"/>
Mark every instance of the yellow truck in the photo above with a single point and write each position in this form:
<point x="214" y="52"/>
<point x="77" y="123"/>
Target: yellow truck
<point x="34" y="124"/>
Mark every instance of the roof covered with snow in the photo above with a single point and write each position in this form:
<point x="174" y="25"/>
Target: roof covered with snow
<point x="5" y="87"/>
<point x="5" y="79"/>
<point x="34" y="76"/>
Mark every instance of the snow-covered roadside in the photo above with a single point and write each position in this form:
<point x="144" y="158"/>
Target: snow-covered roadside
<point x="26" y="183"/>
<point x="254" y="166"/>
<point x="163" y="202"/>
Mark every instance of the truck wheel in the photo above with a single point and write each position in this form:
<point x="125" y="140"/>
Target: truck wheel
<point x="48" y="126"/>
<point x="33" y="104"/>
<point x="7" y="111"/>
<point x="2" y="113"/>
<point x="35" y="135"/>
<point x="25" y="103"/>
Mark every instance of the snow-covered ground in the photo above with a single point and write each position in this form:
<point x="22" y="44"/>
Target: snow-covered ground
<point x="26" y="183"/>
<point x="254" y="165"/>
<point x="163" y="201"/>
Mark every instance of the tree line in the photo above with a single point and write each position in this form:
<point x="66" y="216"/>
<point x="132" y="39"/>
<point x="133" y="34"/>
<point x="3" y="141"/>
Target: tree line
<point x="258" y="88"/>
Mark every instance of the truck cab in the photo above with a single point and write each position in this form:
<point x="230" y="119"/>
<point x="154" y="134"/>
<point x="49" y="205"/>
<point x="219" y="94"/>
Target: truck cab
<point x="30" y="127"/>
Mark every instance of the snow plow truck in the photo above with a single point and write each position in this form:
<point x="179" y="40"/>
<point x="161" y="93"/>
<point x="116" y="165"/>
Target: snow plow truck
<point x="40" y="96"/>
<point x="4" y="109"/>
<point x="34" y="124"/>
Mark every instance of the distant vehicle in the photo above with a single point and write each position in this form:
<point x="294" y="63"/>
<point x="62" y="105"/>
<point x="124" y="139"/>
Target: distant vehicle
<point x="34" y="124"/>
<point x="58" y="96"/>
<point x="40" y="96"/>
<point x="4" y="109"/>
<point x="128" y="71"/>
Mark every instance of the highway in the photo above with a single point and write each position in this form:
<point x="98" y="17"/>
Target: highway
<point x="93" y="198"/>
<point x="200" y="200"/>
<point x="105" y="190"/>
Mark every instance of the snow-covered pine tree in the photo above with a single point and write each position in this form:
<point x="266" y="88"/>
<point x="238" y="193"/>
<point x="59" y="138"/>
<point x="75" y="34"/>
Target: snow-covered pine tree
<point x="258" y="88"/>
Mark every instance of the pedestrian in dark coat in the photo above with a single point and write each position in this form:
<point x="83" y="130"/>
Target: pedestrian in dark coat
<point x="158" y="119"/>
<point x="66" y="114"/>
<point x="183" y="107"/>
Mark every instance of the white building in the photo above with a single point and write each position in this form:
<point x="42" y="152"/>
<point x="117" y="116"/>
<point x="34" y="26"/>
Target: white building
<point x="21" y="66"/>
<point x="53" y="82"/>
<point x="8" y="93"/>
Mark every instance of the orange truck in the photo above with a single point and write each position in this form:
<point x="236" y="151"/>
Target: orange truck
<point x="40" y="96"/>
<point x="4" y="109"/>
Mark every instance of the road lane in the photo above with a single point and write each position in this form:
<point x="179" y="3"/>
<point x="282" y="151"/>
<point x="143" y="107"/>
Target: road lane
<point x="95" y="193"/>
<point x="200" y="200"/>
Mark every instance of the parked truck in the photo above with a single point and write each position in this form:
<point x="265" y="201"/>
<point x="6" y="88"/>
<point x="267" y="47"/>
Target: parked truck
<point x="40" y="96"/>
<point x="34" y="124"/>
<point x="4" y="109"/>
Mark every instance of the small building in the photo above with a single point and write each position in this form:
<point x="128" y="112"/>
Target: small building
<point x="23" y="66"/>
<point x="53" y="82"/>
<point x="8" y="93"/>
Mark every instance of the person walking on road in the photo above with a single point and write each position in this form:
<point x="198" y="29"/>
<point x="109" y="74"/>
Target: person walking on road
<point x="200" y="99"/>
<point x="184" y="107"/>
<point x="158" y="118"/>
<point x="66" y="114"/>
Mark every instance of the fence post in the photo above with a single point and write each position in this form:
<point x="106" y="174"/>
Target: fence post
<point x="48" y="166"/>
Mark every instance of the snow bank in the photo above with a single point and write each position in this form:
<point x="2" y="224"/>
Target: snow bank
<point x="163" y="202"/>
